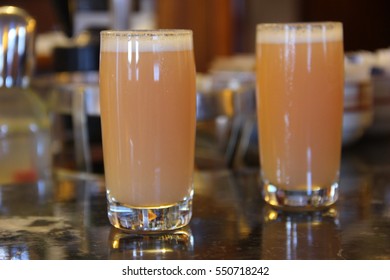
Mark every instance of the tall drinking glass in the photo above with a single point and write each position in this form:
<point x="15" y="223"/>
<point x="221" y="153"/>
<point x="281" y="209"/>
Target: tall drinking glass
<point x="300" y="82"/>
<point x="147" y="98"/>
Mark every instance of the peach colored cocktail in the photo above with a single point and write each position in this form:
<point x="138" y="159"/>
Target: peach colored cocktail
<point x="147" y="97"/>
<point x="300" y="81"/>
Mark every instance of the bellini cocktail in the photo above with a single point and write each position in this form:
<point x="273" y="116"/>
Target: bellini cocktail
<point x="148" y="105"/>
<point x="300" y="82"/>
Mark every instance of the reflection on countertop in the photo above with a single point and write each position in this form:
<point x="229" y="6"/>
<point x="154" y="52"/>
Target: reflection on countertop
<point x="65" y="218"/>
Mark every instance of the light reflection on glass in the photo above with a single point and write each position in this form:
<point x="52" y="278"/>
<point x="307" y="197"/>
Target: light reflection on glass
<point x="173" y="245"/>
<point x="14" y="252"/>
<point x="22" y="34"/>
<point x="156" y="72"/>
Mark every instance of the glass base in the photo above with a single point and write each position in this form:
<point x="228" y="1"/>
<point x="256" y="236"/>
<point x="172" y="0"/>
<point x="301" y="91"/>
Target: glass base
<point x="170" y="245"/>
<point x="150" y="220"/>
<point x="296" y="200"/>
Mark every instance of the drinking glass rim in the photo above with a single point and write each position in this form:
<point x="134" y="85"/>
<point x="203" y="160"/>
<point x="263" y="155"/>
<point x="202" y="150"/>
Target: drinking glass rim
<point x="146" y="32"/>
<point x="297" y="25"/>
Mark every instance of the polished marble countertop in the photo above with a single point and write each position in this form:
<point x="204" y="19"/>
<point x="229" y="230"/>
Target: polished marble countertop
<point x="65" y="218"/>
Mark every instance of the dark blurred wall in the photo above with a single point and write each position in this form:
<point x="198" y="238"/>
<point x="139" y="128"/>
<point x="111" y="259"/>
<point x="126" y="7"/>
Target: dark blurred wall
<point x="251" y="12"/>
<point x="224" y="27"/>
<point x="42" y="10"/>
<point x="366" y="22"/>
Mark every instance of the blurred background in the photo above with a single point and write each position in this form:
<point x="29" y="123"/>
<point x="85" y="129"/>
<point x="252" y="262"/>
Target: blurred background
<point x="67" y="64"/>
<point x="221" y="27"/>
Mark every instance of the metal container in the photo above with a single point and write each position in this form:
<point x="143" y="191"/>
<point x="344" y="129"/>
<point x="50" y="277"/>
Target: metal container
<point x="24" y="125"/>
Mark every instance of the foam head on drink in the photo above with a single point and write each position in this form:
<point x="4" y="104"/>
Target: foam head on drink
<point x="148" y="97"/>
<point x="139" y="41"/>
<point x="300" y="104"/>
<point x="296" y="34"/>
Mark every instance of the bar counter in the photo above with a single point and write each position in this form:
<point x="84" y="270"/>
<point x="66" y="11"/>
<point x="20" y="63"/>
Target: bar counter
<point x="65" y="218"/>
